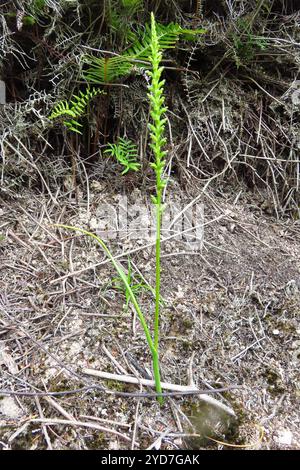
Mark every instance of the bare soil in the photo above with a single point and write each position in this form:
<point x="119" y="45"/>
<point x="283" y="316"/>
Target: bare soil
<point x="230" y="318"/>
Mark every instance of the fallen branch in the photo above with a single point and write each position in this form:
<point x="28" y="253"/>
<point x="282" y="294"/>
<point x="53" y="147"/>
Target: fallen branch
<point x="165" y="385"/>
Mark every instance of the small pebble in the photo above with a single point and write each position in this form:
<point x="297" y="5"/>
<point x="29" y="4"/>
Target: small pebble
<point x="285" y="437"/>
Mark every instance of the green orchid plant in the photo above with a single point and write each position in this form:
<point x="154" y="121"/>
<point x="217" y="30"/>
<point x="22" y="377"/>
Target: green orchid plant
<point x="158" y="141"/>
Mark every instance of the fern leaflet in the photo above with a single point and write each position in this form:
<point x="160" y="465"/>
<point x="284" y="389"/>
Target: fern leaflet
<point x="75" y="109"/>
<point x="125" y="151"/>
<point x="106" y="70"/>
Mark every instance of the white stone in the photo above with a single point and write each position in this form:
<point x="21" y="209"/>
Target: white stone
<point x="180" y="293"/>
<point x="75" y="348"/>
<point x="285" y="437"/>
<point x="9" y="408"/>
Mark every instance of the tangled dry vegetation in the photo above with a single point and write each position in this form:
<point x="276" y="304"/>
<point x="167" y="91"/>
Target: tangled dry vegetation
<point x="231" y="311"/>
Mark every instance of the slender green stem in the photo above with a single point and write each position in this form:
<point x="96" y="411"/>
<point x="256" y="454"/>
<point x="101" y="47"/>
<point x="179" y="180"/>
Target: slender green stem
<point x="156" y="372"/>
<point x="156" y="367"/>
<point x="157" y="273"/>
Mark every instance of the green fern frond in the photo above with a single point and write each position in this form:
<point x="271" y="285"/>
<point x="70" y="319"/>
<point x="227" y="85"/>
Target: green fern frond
<point x="120" y="17"/>
<point x="114" y="19"/>
<point x="73" y="126"/>
<point x="132" y="6"/>
<point x="74" y="109"/>
<point x="167" y="35"/>
<point x="106" y="70"/>
<point x="125" y="151"/>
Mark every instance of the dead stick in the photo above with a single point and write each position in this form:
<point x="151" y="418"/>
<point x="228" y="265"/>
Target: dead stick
<point x="165" y="385"/>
